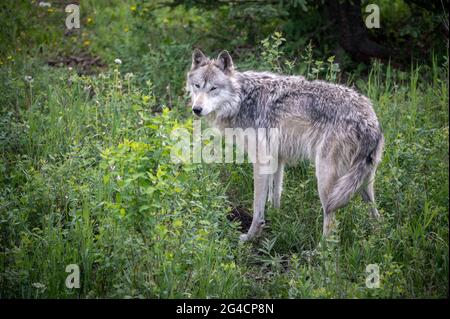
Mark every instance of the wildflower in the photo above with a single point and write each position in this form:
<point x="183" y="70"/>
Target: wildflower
<point x="38" y="285"/>
<point x="70" y="68"/>
<point x="86" y="43"/>
<point x="28" y="78"/>
<point x="43" y="4"/>
<point x="145" y="98"/>
<point x="133" y="8"/>
<point x="126" y="29"/>
<point x="89" y="20"/>
<point x="128" y="76"/>
<point x="118" y="61"/>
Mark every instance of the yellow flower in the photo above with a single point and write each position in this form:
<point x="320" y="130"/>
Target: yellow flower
<point x="145" y="98"/>
<point x="177" y="223"/>
<point x="86" y="43"/>
<point x="50" y="10"/>
<point x="169" y="255"/>
<point x="133" y="8"/>
<point x="126" y="29"/>
<point x="89" y="20"/>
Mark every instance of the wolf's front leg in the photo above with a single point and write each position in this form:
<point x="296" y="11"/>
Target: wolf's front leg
<point x="260" y="188"/>
<point x="278" y="184"/>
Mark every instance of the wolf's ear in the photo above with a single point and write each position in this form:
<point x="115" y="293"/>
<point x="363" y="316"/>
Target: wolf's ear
<point x="224" y="62"/>
<point x="197" y="58"/>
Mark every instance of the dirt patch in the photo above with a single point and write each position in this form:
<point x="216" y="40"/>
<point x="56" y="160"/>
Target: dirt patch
<point x="82" y="63"/>
<point x="241" y="215"/>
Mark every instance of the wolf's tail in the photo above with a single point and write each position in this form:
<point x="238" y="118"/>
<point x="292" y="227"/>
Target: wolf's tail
<point x="351" y="182"/>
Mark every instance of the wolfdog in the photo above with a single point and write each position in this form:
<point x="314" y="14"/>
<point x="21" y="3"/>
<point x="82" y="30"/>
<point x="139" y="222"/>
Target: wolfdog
<point x="331" y="125"/>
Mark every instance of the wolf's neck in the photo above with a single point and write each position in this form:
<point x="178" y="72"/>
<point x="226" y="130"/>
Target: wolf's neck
<point x="246" y="105"/>
<point x="250" y="100"/>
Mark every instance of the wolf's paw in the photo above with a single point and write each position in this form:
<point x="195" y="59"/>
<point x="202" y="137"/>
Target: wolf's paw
<point x="244" y="237"/>
<point x="375" y="214"/>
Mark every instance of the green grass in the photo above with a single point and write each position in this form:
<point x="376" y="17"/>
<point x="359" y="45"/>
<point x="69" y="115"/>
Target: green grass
<point x="86" y="179"/>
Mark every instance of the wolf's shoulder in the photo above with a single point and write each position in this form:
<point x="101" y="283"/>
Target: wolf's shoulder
<point x="271" y="77"/>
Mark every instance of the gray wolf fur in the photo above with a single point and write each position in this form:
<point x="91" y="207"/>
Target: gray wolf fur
<point x="331" y="125"/>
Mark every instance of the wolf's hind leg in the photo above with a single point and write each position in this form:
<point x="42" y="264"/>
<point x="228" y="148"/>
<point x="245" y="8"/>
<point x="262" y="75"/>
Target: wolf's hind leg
<point x="368" y="194"/>
<point x="326" y="177"/>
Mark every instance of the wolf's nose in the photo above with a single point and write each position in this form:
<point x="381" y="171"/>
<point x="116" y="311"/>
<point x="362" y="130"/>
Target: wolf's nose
<point x="197" y="110"/>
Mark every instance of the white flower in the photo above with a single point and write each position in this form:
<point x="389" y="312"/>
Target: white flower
<point x="28" y="78"/>
<point x="38" y="285"/>
<point x="45" y="4"/>
<point x="128" y="76"/>
<point x="118" y="61"/>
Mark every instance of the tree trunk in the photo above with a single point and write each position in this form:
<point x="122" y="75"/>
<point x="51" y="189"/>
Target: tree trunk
<point x="353" y="36"/>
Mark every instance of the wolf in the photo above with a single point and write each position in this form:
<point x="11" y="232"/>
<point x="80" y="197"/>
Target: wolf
<point x="331" y="125"/>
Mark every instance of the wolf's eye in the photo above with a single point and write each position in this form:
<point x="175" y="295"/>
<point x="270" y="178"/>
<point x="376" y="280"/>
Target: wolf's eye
<point x="197" y="86"/>
<point x="213" y="88"/>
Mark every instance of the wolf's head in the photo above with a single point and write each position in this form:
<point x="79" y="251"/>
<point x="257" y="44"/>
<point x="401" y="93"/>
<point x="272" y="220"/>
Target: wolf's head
<point x="212" y="85"/>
